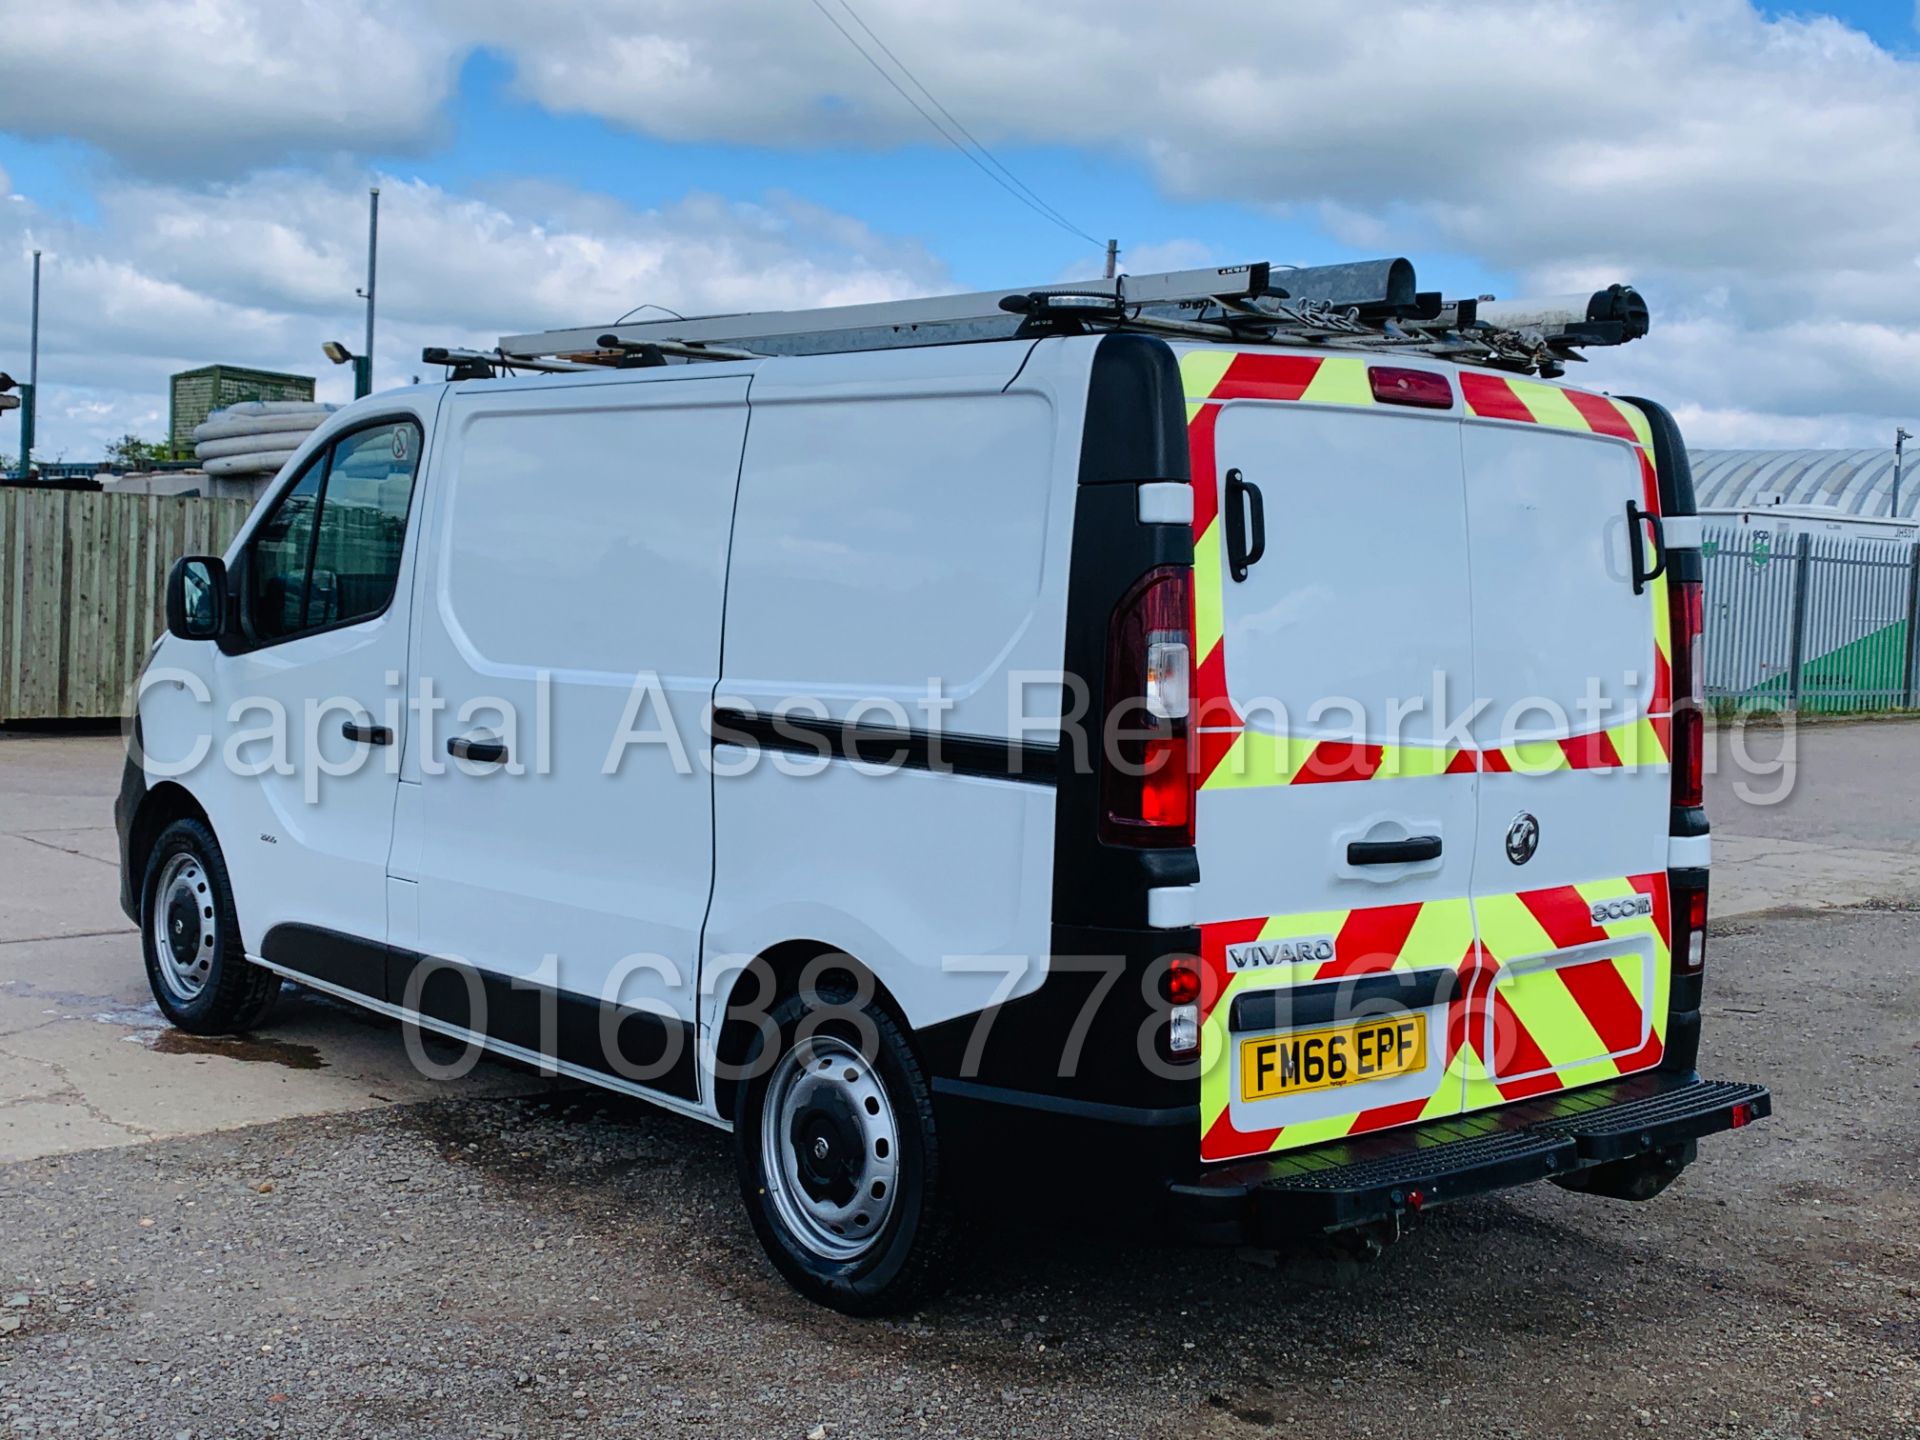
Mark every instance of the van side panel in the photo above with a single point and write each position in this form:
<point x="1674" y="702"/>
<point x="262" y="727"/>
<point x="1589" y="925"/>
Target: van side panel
<point x="571" y="612"/>
<point x="899" y="555"/>
<point x="899" y="525"/>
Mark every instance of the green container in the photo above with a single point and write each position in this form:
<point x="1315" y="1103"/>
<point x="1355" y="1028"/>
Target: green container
<point x="198" y="393"/>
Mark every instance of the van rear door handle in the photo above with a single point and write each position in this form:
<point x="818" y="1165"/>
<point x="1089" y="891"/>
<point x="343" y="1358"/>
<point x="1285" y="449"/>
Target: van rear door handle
<point x="1409" y="851"/>
<point x="484" y="752"/>
<point x="1638" y="521"/>
<point x="367" y="734"/>
<point x="1245" y="507"/>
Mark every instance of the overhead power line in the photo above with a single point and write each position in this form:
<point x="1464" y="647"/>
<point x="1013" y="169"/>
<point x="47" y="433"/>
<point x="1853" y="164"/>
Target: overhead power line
<point x="982" y="158"/>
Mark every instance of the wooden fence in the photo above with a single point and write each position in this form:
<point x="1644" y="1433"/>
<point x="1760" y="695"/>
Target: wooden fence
<point x="83" y="577"/>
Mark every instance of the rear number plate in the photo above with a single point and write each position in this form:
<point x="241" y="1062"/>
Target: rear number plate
<point x="1275" y="1065"/>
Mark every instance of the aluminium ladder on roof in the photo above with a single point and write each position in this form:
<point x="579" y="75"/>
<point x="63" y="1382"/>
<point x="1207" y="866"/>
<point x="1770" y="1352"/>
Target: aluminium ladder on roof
<point x="1369" y="305"/>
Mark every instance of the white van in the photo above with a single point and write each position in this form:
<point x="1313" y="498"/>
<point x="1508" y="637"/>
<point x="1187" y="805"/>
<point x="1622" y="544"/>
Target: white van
<point x="1248" y="781"/>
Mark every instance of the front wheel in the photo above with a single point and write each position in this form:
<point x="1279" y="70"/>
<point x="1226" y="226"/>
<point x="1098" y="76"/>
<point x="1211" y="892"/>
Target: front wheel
<point x="195" y="963"/>
<point x="839" y="1160"/>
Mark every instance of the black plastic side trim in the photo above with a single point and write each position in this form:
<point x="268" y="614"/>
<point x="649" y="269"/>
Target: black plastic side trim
<point x="1365" y="997"/>
<point x="1075" y="1109"/>
<point x="1034" y="762"/>
<point x="1675" y="474"/>
<point x="343" y="960"/>
<point x="1136" y="414"/>
<point x="1097" y="883"/>
<point x="126" y="805"/>
<point x="1689" y="822"/>
<point x="1090" y="1032"/>
<point x="1682" y="1049"/>
<point x="636" y="1046"/>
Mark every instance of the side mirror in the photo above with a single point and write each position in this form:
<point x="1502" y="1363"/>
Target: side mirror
<point x="197" y="598"/>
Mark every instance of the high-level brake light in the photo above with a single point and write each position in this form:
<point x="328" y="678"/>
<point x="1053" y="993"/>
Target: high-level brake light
<point x="1147" y="790"/>
<point x="1395" y="385"/>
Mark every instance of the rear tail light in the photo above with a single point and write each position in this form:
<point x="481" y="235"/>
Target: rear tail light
<point x="1690" y="931"/>
<point x="1424" y="388"/>
<point x="1689" y="740"/>
<point x="1148" y="775"/>
<point x="1183" y="1019"/>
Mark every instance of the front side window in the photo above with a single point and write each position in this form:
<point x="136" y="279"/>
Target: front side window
<point x="277" y="571"/>
<point x="329" y="554"/>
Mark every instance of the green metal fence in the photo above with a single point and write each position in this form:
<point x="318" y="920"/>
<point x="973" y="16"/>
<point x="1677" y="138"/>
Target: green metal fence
<point x="1825" y="624"/>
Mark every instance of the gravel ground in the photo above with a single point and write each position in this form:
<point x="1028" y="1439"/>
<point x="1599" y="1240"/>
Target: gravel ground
<point x="570" y="1264"/>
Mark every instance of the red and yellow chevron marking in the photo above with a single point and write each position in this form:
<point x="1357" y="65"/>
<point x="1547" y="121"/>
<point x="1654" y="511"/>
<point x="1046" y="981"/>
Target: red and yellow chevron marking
<point x="1511" y="1031"/>
<point x="1250" y="758"/>
<point x="1369" y="940"/>
<point x="1647" y="741"/>
<point x="1534" y="1030"/>
<point x="1229" y="755"/>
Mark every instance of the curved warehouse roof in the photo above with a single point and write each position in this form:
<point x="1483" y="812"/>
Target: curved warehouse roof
<point x="1853" y="482"/>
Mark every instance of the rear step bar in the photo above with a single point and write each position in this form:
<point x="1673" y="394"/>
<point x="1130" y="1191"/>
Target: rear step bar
<point x="1397" y="1172"/>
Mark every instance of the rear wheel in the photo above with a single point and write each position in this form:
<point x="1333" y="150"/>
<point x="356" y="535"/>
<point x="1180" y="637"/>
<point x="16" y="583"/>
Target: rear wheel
<point x="195" y="965"/>
<point x="839" y="1160"/>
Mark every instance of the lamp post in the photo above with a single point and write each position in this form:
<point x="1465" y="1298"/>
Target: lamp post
<point x="362" y="367"/>
<point x="30" y="392"/>
<point x="1900" y="437"/>
<point x="373" y="257"/>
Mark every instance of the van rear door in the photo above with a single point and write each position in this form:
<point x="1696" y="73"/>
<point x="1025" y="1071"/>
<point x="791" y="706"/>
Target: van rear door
<point x="1570" y="886"/>
<point x="1336" y="817"/>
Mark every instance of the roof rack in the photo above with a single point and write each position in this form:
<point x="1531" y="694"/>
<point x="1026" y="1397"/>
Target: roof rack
<point x="1371" y="305"/>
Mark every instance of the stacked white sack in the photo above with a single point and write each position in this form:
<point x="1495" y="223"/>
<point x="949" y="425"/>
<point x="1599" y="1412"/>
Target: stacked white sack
<point x="255" y="437"/>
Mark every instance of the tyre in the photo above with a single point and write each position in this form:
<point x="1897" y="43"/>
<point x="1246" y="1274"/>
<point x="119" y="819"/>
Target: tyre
<point x="839" y="1160"/>
<point x="200" y="976"/>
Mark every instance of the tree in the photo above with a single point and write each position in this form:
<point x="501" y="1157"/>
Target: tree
<point x="130" y="452"/>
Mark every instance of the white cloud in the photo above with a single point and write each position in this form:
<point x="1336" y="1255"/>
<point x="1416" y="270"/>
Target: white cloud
<point x="262" y="271"/>
<point x="1753" y="176"/>
<point x="198" y="86"/>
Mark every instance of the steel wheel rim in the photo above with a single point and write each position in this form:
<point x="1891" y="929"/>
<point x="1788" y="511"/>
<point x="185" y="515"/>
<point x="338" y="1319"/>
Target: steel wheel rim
<point x="185" y="928"/>
<point x="830" y="1148"/>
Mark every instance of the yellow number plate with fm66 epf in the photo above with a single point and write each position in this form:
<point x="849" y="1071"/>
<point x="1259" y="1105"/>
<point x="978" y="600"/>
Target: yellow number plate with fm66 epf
<point x="1276" y="1065"/>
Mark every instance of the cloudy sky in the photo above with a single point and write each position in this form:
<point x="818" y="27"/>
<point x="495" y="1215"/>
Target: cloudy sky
<point x="196" y="172"/>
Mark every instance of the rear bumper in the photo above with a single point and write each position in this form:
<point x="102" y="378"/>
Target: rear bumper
<point x="1398" y="1172"/>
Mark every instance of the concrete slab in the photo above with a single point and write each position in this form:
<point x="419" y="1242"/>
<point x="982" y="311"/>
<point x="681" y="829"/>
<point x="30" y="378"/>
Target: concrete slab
<point x="47" y="892"/>
<point x="1756" y="873"/>
<point x="86" y="1058"/>
<point x="93" y="842"/>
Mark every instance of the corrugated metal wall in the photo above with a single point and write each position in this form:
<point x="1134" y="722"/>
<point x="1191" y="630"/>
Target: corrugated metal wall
<point x="82" y="589"/>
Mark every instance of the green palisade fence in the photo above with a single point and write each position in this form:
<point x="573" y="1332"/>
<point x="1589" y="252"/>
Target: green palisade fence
<point x="1824" y="624"/>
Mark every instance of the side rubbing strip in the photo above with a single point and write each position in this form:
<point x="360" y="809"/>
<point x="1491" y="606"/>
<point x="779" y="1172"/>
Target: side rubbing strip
<point x="884" y="747"/>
